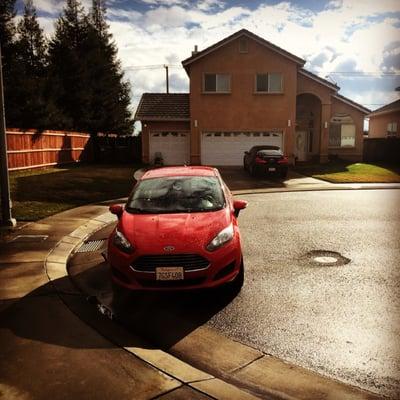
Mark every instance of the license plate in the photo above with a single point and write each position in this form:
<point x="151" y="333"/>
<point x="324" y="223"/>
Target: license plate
<point x="169" y="273"/>
<point x="271" y="169"/>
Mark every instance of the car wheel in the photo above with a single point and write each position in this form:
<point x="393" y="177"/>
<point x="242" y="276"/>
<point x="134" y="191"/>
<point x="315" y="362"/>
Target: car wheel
<point x="283" y="173"/>
<point x="253" y="171"/>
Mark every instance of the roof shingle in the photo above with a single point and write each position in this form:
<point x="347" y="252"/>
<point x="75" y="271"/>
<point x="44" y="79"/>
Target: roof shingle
<point x="163" y="107"/>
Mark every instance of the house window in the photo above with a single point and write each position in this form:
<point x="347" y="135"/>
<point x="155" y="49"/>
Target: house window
<point x="269" y="83"/>
<point x="217" y="83"/>
<point x="342" y="131"/>
<point x="243" y="45"/>
<point x="391" y="129"/>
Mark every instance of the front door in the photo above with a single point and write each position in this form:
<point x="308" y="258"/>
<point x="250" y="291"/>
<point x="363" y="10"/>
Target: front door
<point x="300" y="145"/>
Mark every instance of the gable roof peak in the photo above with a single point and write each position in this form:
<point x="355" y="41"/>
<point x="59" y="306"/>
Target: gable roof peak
<point x="242" y="32"/>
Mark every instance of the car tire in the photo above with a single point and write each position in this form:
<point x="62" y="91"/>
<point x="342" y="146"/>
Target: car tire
<point x="253" y="171"/>
<point x="283" y="173"/>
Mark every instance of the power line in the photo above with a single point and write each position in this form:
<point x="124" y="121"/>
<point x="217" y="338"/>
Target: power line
<point x="146" y="67"/>
<point x="364" y="74"/>
<point x="351" y="73"/>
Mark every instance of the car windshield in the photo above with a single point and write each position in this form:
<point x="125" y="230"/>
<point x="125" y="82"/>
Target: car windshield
<point x="176" y="195"/>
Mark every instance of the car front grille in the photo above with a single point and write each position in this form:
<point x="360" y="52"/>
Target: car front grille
<point x="189" y="262"/>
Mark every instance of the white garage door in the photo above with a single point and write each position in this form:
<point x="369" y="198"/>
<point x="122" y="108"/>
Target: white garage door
<point x="173" y="146"/>
<point x="227" y="148"/>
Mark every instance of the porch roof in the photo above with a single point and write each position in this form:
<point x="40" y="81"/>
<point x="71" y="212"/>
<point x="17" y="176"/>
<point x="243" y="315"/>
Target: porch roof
<point x="163" y="107"/>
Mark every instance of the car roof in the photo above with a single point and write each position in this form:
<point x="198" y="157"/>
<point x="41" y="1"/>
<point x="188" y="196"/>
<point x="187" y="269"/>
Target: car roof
<point x="166" y="172"/>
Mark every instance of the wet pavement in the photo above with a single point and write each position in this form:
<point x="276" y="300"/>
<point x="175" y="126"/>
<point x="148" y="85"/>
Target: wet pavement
<point x="340" y="320"/>
<point x="343" y="321"/>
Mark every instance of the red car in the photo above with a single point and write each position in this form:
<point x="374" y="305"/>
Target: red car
<point x="178" y="230"/>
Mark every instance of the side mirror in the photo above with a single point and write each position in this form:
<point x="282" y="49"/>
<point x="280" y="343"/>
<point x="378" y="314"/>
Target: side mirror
<point x="246" y="152"/>
<point x="116" y="209"/>
<point x="239" y="205"/>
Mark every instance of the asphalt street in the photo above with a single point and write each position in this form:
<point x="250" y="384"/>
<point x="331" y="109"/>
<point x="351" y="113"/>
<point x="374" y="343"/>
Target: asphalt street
<point x="342" y="321"/>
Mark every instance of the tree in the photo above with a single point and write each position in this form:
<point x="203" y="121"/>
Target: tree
<point x="7" y="28"/>
<point x="29" y="73"/>
<point x="67" y="68"/>
<point x="110" y="94"/>
<point x="7" y="32"/>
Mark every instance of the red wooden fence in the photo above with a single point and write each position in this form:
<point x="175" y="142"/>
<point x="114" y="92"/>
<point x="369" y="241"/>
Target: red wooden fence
<point x="33" y="149"/>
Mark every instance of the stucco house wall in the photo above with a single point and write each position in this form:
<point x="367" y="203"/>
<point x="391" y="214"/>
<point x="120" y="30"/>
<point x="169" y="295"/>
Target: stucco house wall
<point x="378" y="124"/>
<point x="242" y="109"/>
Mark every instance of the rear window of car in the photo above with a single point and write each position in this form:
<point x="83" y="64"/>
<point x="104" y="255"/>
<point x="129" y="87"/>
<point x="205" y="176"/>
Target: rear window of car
<point x="270" y="152"/>
<point x="176" y="195"/>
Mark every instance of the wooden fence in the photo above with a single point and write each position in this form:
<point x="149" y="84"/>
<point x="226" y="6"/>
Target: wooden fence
<point x="33" y="149"/>
<point x="382" y="150"/>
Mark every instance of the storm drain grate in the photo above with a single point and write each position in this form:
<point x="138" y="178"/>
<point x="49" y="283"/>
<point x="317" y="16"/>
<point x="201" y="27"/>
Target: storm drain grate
<point x="92" y="245"/>
<point x="326" y="258"/>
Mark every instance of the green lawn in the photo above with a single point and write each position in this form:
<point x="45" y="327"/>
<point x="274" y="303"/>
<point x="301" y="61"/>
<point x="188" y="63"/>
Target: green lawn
<point x="37" y="194"/>
<point x="346" y="172"/>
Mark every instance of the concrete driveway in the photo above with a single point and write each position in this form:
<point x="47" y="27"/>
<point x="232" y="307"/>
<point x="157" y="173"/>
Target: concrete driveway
<point x="238" y="179"/>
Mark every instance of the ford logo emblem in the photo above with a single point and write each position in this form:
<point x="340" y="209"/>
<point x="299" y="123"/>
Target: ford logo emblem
<point x="169" y="248"/>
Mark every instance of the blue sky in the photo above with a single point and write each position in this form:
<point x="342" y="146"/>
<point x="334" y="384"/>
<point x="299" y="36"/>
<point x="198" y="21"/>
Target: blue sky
<point x="355" y="43"/>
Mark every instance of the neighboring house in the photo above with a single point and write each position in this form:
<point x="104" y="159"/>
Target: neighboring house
<point x="245" y="91"/>
<point x="385" y="121"/>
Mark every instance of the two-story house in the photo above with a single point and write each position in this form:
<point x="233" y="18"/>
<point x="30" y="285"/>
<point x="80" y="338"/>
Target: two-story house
<point x="245" y="91"/>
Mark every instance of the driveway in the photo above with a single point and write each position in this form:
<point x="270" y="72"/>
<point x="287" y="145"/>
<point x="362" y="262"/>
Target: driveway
<point x="238" y="179"/>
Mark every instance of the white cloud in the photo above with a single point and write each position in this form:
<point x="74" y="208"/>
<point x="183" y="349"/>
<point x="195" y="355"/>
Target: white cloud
<point x="54" y="7"/>
<point x="353" y="35"/>
<point x="207" y="5"/>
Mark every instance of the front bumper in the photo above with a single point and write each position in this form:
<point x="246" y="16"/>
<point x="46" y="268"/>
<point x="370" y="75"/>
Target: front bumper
<point x="224" y="265"/>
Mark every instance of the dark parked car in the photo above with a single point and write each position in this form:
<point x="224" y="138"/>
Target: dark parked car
<point x="265" y="160"/>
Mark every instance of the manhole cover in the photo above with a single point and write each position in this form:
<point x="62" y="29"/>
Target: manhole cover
<point x="92" y="245"/>
<point x="326" y="258"/>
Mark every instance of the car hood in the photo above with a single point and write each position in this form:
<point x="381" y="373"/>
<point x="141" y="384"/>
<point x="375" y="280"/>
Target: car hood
<point x="150" y="233"/>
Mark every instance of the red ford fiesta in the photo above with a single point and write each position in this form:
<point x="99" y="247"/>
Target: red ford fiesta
<point x="178" y="230"/>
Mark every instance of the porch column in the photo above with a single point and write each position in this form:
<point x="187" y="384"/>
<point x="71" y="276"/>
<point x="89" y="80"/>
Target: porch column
<point x="145" y="143"/>
<point x="195" y="142"/>
<point x="324" y="138"/>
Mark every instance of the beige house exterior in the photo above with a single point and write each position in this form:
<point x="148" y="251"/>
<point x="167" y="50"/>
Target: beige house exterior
<point x="245" y="91"/>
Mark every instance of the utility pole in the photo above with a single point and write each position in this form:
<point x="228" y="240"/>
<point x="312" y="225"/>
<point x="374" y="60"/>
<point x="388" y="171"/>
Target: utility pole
<point x="166" y="77"/>
<point x="6" y="218"/>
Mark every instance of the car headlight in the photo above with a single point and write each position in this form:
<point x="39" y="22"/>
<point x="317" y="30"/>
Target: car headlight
<point x="223" y="237"/>
<point x="121" y="242"/>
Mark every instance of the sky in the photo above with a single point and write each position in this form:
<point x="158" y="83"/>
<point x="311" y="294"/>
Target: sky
<point x="353" y="43"/>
